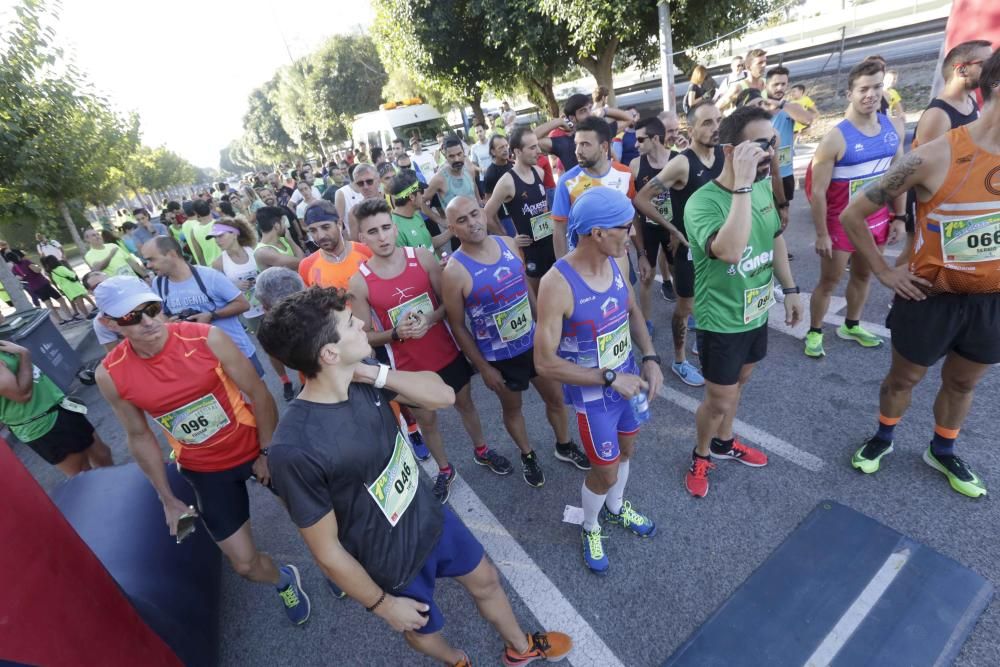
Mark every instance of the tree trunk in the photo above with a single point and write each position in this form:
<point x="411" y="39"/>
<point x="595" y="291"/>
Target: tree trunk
<point x="600" y="68"/>
<point x="477" y="109"/>
<point x="73" y="231"/>
<point x="13" y="287"/>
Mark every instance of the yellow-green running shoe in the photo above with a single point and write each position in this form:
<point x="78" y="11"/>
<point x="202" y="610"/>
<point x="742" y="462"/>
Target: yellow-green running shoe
<point x="959" y="475"/>
<point x="814" y="345"/>
<point x="859" y="335"/>
<point x="869" y="455"/>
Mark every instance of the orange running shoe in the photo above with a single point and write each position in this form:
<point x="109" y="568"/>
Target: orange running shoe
<point x="551" y="646"/>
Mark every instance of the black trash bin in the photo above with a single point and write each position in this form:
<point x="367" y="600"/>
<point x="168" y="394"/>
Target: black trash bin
<point x="53" y="355"/>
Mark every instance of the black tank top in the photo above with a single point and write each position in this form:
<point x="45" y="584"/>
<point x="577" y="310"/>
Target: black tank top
<point x="956" y="117"/>
<point x="528" y="201"/>
<point x="698" y="175"/>
<point x="646" y="173"/>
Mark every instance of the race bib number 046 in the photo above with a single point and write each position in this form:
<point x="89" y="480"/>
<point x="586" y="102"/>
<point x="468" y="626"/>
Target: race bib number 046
<point x="974" y="240"/>
<point x="394" y="489"/>
<point x="515" y="321"/>
<point x="614" y="347"/>
<point x="196" y="422"/>
<point x="420" y="304"/>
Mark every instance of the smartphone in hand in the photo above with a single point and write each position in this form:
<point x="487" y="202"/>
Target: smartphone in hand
<point x="185" y="526"/>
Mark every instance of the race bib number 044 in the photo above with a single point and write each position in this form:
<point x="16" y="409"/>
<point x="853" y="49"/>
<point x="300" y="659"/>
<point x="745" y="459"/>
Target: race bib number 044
<point x="196" y="422"/>
<point x="515" y="321"/>
<point x="394" y="489"/>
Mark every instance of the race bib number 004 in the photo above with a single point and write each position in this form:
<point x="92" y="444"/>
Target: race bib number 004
<point x="541" y="226"/>
<point x="515" y="321"/>
<point x="974" y="240"/>
<point x="614" y="347"/>
<point x="196" y="422"/>
<point x="756" y="301"/>
<point x="393" y="490"/>
<point x="420" y="304"/>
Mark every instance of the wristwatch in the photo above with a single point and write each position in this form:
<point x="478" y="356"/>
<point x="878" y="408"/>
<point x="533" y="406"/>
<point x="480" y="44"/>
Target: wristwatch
<point x="395" y="335"/>
<point x="899" y="217"/>
<point x="791" y="290"/>
<point x="655" y="358"/>
<point x="609" y="377"/>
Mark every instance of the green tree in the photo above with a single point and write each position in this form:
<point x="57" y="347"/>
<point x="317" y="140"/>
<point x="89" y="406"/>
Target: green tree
<point x="346" y="78"/>
<point x="233" y="159"/>
<point x="446" y="45"/>
<point x="265" y="137"/>
<point x="604" y="35"/>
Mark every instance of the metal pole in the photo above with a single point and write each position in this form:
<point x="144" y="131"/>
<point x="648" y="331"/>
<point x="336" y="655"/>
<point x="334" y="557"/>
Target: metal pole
<point x="666" y="61"/>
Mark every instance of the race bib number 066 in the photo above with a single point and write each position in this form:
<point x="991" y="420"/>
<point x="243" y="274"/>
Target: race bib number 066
<point x="974" y="240"/>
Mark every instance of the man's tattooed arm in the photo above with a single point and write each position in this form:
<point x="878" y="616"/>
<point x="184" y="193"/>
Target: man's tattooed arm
<point x="891" y="185"/>
<point x="657" y="185"/>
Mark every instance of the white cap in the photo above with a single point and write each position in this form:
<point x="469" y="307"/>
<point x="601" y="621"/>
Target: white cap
<point x="119" y="295"/>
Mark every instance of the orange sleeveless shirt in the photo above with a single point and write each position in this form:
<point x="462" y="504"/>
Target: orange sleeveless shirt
<point x="957" y="245"/>
<point x="188" y="394"/>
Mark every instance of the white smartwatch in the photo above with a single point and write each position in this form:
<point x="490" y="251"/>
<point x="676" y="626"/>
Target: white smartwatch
<point x="383" y="375"/>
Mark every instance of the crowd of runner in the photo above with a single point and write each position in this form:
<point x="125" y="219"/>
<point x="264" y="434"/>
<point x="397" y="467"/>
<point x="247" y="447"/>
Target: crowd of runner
<point x="380" y="285"/>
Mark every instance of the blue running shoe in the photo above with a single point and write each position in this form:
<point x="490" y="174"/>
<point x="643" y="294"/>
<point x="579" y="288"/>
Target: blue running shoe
<point x="639" y="524"/>
<point x="335" y="590"/>
<point x="692" y="324"/>
<point x="419" y="446"/>
<point x="688" y="374"/>
<point x="296" y="602"/>
<point x="593" y="551"/>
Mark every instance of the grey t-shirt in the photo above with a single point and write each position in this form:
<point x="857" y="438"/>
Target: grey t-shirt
<point x="350" y="458"/>
<point x="141" y="235"/>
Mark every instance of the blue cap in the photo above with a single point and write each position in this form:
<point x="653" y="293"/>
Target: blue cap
<point x="600" y="207"/>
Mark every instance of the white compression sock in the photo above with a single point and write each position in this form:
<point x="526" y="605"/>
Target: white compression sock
<point x="592" y="503"/>
<point x="617" y="492"/>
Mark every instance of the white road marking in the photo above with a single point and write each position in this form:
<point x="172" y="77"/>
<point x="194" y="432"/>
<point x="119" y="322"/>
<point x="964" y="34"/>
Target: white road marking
<point x="858" y="611"/>
<point x="535" y="589"/>
<point x="772" y="443"/>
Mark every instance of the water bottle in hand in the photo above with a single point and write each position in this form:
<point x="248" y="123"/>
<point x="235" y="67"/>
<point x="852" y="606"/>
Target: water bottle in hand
<point x="640" y="406"/>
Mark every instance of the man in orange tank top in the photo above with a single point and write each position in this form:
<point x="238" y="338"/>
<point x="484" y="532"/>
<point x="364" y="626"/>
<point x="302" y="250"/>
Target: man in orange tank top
<point x="337" y="258"/>
<point x="191" y="379"/>
<point x="948" y="297"/>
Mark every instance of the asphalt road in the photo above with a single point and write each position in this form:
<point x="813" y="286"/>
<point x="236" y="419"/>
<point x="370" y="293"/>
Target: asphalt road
<point x="808" y="415"/>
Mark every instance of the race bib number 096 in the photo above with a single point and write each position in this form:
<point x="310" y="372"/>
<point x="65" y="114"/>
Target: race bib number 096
<point x="394" y="488"/>
<point x="196" y="422"/>
<point x="756" y="301"/>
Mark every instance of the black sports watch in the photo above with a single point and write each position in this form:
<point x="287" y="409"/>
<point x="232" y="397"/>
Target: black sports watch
<point x="609" y="377"/>
<point x="791" y="290"/>
<point x="655" y="358"/>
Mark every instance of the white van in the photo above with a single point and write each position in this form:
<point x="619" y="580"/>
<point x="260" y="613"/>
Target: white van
<point x="398" y="120"/>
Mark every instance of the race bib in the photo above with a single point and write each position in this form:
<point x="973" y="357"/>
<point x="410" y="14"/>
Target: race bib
<point x="420" y="304"/>
<point x="196" y="422"/>
<point x="785" y="156"/>
<point x="756" y="301"/>
<point x="974" y="240"/>
<point x="665" y="206"/>
<point x="393" y="490"/>
<point x="541" y="226"/>
<point x="859" y="184"/>
<point x="614" y="347"/>
<point x="515" y="321"/>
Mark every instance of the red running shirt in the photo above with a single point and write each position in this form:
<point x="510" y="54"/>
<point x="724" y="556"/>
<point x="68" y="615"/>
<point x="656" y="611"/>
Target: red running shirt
<point x="185" y="390"/>
<point x="392" y="298"/>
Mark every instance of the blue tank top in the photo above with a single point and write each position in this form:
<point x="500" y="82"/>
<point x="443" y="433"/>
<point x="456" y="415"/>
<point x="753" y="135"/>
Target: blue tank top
<point x="462" y="186"/>
<point x="597" y="334"/>
<point x="874" y="152"/>
<point x="784" y="127"/>
<point x="497" y="307"/>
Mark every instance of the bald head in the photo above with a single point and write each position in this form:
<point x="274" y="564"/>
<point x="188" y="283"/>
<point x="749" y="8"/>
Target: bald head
<point x="460" y="206"/>
<point x="466" y="220"/>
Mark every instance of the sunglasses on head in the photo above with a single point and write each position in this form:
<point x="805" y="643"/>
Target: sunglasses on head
<point x="368" y="182"/>
<point x="152" y="309"/>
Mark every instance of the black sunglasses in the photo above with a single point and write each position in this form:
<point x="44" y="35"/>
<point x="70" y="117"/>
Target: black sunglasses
<point x="766" y="144"/>
<point x="152" y="309"/>
<point x="368" y="182"/>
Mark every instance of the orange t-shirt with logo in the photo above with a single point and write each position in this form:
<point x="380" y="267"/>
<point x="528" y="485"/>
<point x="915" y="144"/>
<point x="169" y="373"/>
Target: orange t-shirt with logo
<point x="187" y="393"/>
<point x="957" y="244"/>
<point x="320" y="271"/>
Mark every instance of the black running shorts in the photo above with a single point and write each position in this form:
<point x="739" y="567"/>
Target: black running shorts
<point x="517" y="371"/>
<point x="967" y="324"/>
<point x="71" y="434"/>
<point x="723" y="355"/>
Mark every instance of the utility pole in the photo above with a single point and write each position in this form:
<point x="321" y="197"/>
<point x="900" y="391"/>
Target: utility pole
<point x="666" y="61"/>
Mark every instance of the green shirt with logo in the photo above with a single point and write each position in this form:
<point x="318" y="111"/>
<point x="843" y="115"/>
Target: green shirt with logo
<point x="32" y="419"/>
<point x="412" y="232"/>
<point x="732" y="298"/>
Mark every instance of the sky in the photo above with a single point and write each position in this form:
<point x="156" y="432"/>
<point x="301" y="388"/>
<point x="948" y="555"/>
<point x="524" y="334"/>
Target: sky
<point x="187" y="66"/>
